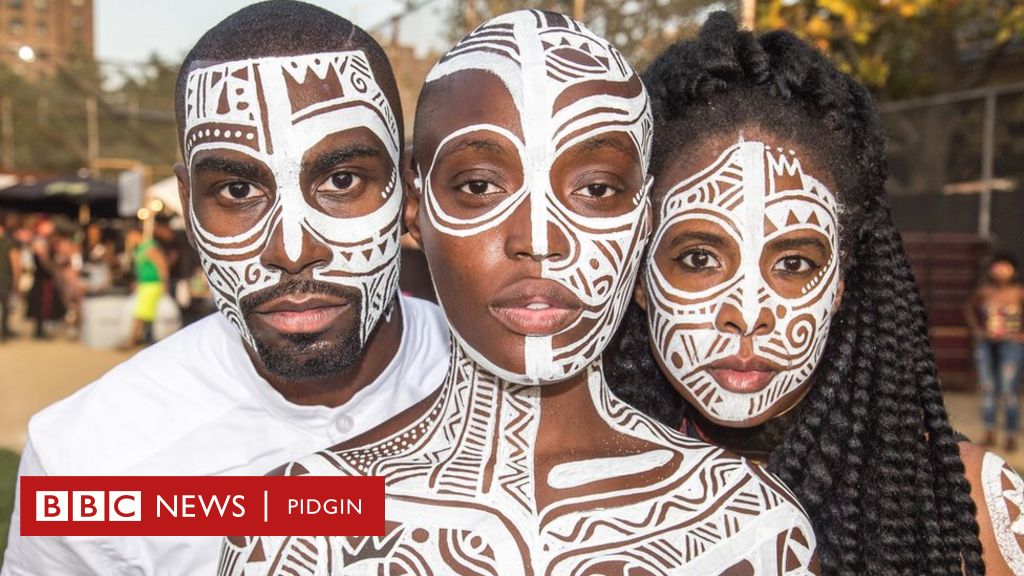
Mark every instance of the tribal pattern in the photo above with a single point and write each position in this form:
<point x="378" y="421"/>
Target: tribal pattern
<point x="467" y="490"/>
<point x="460" y="500"/>
<point x="1004" y="498"/>
<point x="755" y="194"/>
<point x="543" y="59"/>
<point x="274" y="110"/>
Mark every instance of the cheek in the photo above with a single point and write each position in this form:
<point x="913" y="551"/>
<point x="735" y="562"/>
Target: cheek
<point x="461" y="268"/>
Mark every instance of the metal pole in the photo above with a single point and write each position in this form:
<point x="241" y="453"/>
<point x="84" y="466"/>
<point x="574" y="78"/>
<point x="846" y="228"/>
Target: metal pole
<point x="92" y="128"/>
<point x="748" y="14"/>
<point x="7" y="133"/>
<point x="578" y="7"/>
<point x="987" y="159"/>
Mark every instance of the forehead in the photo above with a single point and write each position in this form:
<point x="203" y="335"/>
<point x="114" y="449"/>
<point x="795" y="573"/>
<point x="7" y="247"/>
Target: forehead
<point x="252" y="105"/>
<point x="763" y="188"/>
<point x="548" y="76"/>
<point x="706" y="156"/>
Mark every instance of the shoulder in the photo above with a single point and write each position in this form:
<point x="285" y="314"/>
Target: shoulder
<point x="144" y="404"/>
<point x="998" y="494"/>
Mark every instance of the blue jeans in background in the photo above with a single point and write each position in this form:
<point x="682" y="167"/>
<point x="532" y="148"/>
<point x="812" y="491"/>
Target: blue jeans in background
<point x="999" y="373"/>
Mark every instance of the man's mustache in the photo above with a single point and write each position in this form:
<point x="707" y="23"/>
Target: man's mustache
<point x="294" y="285"/>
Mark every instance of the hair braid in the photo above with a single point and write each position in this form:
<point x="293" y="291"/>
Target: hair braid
<point x="872" y="455"/>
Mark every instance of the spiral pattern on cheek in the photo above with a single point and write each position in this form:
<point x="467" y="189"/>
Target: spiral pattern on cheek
<point x="253" y="273"/>
<point x="801" y="334"/>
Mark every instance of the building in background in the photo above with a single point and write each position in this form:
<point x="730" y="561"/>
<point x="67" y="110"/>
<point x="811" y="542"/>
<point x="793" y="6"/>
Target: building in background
<point x="39" y="36"/>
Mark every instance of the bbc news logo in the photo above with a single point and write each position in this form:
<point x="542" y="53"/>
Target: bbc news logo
<point x="89" y="506"/>
<point x="201" y="505"/>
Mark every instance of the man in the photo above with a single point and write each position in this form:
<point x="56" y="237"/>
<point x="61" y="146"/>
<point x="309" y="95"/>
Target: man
<point x="290" y="126"/>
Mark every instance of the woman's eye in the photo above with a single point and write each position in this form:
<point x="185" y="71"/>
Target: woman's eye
<point x="479" y="188"/>
<point x="597" y="191"/>
<point x="794" y="265"/>
<point x="240" y="191"/>
<point x="340" y="182"/>
<point x="699" y="260"/>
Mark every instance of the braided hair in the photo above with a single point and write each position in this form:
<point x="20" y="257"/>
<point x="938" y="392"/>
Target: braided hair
<point x="871" y="454"/>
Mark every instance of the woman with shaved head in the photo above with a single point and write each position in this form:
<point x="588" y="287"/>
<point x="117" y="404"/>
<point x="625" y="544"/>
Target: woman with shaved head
<point x="529" y="194"/>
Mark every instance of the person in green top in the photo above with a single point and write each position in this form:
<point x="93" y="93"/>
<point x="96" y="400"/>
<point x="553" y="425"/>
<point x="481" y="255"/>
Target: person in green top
<point x="151" y="273"/>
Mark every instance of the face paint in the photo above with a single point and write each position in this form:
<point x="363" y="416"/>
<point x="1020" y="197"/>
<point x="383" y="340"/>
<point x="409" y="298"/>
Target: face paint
<point x="757" y="197"/>
<point x="275" y="110"/>
<point x="542" y="67"/>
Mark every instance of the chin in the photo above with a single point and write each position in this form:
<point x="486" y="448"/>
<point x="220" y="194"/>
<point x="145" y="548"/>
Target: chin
<point x="308" y="356"/>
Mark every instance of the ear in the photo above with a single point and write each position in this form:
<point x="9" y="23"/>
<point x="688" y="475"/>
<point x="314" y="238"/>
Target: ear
<point x="185" y="195"/>
<point x="640" y="293"/>
<point x="839" y="296"/>
<point x="410" y="183"/>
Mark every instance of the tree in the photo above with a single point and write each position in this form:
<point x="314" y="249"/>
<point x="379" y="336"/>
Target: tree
<point x="906" y="48"/>
<point x="914" y="48"/>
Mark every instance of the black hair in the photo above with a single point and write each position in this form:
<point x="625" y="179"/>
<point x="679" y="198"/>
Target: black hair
<point x="871" y="455"/>
<point x="284" y="28"/>
<point x="1005" y="257"/>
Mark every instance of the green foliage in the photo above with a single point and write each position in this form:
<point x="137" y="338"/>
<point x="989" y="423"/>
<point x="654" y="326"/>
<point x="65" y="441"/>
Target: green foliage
<point x="8" y="478"/>
<point x="905" y="48"/>
<point x="135" y="116"/>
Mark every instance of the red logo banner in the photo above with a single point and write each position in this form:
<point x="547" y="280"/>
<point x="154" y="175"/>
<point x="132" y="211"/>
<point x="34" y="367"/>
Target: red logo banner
<point x="202" y="505"/>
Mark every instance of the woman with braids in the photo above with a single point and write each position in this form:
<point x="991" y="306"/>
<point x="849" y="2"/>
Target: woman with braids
<point x="778" y="302"/>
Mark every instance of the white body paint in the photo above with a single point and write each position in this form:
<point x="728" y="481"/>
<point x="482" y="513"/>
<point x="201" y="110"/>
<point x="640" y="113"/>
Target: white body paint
<point x="254" y="107"/>
<point x="581" y="472"/>
<point x="461" y="488"/>
<point x="463" y="493"/>
<point x="604" y="252"/>
<point x="1004" y="498"/>
<point x="754" y="193"/>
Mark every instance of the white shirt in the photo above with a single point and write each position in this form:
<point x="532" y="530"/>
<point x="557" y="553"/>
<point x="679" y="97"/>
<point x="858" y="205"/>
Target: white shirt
<point x="194" y="405"/>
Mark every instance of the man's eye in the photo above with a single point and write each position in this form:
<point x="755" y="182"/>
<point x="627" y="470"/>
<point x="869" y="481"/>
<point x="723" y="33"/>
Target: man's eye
<point x="340" y="182"/>
<point x="597" y="191"/>
<point x="794" y="265"/>
<point x="699" y="260"/>
<point x="240" y="191"/>
<point x="480" y="188"/>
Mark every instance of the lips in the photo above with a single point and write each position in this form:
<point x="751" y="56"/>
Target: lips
<point x="301" y="313"/>
<point x="535" y="307"/>
<point x="743" y="375"/>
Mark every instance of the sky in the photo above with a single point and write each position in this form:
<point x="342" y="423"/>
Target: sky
<point x="132" y="30"/>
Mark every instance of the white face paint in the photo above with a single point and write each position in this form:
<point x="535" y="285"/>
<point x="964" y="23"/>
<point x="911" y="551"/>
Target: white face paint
<point x="754" y="195"/>
<point x="274" y="110"/>
<point x="537" y="63"/>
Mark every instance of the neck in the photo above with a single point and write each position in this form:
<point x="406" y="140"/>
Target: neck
<point x="756" y="442"/>
<point x="558" y="410"/>
<point x="337" y="389"/>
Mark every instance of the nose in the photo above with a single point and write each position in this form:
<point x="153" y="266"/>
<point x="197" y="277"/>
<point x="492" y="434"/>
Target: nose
<point x="312" y="253"/>
<point x="531" y="233"/>
<point x="731" y="320"/>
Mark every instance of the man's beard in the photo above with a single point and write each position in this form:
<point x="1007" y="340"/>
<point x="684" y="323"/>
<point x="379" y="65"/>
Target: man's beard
<point x="289" y="359"/>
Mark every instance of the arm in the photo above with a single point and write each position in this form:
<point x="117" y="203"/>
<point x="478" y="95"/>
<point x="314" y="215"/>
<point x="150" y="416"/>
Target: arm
<point x="157" y="256"/>
<point x="971" y="313"/>
<point x="52" y="555"/>
<point x="16" y="268"/>
<point x="998" y="493"/>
